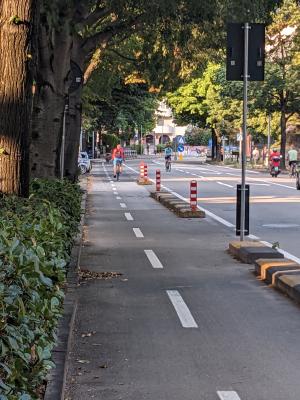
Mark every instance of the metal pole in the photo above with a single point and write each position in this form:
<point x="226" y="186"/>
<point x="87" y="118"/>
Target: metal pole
<point x="245" y="111"/>
<point x="63" y="140"/>
<point x="223" y="145"/>
<point x="93" y="145"/>
<point x="80" y="146"/>
<point x="269" y="137"/>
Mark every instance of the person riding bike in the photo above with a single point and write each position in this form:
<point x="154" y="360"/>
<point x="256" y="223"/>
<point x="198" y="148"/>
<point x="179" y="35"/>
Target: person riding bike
<point x="292" y="159"/>
<point x="117" y="157"/>
<point x="168" y="154"/>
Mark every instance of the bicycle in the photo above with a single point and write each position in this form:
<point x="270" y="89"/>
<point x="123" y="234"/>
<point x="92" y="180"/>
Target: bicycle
<point x="293" y="171"/>
<point x="168" y="165"/>
<point x="297" y="176"/>
<point x="118" y="169"/>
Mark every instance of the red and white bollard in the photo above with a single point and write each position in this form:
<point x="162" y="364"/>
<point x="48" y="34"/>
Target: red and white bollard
<point x="142" y="169"/>
<point x="145" y="172"/>
<point x="193" y="195"/>
<point x="158" y="180"/>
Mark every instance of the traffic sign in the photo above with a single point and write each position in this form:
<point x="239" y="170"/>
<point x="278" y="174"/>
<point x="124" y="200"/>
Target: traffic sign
<point x="180" y="148"/>
<point x="180" y="139"/>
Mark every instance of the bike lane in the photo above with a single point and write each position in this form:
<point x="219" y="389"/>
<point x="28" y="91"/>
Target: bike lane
<point x="183" y="321"/>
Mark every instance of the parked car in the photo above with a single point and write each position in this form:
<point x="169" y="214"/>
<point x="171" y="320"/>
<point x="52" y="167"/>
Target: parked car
<point x="83" y="158"/>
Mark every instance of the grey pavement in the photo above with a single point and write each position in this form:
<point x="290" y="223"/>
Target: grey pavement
<point x="199" y="325"/>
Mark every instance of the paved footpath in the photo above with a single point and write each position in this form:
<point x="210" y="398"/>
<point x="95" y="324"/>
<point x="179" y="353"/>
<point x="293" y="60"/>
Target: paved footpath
<point x="183" y="321"/>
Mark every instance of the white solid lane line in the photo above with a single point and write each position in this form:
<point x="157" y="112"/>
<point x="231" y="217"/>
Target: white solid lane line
<point x="184" y="314"/>
<point x="129" y="217"/>
<point x="138" y="233"/>
<point x="123" y="205"/>
<point x="152" y="257"/>
<point x="228" y="395"/>
<point x="225" y="184"/>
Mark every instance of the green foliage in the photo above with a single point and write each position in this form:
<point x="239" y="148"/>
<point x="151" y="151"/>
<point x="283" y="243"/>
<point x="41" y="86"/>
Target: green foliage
<point x="160" y="148"/>
<point x="110" y="140"/>
<point x="138" y="147"/>
<point x="35" y="242"/>
<point x="199" y="138"/>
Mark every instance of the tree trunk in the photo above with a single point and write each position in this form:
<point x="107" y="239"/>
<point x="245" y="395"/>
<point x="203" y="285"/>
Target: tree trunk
<point x="16" y="27"/>
<point x="73" y="135"/>
<point x="52" y="88"/>
<point x="283" y="138"/>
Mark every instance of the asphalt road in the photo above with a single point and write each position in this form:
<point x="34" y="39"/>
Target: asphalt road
<point x="274" y="202"/>
<point x="184" y="321"/>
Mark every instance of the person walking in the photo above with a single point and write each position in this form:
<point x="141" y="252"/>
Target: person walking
<point x="255" y="155"/>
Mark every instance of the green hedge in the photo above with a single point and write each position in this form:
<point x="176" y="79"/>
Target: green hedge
<point x="35" y="242"/>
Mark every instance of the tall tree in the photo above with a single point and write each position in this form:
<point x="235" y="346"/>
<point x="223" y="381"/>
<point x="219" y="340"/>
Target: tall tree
<point x="280" y="90"/>
<point x="16" y="54"/>
<point x="82" y="31"/>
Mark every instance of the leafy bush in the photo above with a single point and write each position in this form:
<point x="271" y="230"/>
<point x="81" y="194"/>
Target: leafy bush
<point x="160" y="148"/>
<point x="35" y="241"/>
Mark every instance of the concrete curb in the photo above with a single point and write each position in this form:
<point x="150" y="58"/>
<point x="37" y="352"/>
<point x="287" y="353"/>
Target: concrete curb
<point x="179" y="207"/>
<point x="56" y="380"/>
<point x="270" y="266"/>
<point x="144" y="181"/>
<point x="290" y="285"/>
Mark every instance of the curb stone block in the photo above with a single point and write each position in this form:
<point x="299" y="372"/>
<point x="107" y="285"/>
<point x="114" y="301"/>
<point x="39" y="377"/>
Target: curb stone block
<point x="263" y="264"/>
<point x="144" y="181"/>
<point x="250" y="254"/>
<point x="181" y="208"/>
<point x="188" y="213"/>
<point x="271" y="273"/>
<point x="290" y="285"/>
<point x="236" y="245"/>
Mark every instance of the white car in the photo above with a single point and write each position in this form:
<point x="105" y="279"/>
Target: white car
<point x="83" y="158"/>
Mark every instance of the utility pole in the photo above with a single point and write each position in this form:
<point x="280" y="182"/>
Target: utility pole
<point x="269" y="135"/>
<point x="93" y="144"/>
<point x="245" y="113"/>
<point x="63" y="140"/>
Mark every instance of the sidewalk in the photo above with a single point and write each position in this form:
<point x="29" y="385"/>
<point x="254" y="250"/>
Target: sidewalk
<point x="128" y="342"/>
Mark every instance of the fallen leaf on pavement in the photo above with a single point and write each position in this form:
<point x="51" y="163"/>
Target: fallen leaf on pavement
<point x="85" y="274"/>
<point x="83" y="361"/>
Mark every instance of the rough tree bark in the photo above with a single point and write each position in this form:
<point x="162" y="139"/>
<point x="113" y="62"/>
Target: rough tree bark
<point x="73" y="135"/>
<point x="52" y="88"/>
<point x="17" y="19"/>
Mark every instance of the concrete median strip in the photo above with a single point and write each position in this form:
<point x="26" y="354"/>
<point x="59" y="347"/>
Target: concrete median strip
<point x="270" y="266"/>
<point x="181" y="208"/>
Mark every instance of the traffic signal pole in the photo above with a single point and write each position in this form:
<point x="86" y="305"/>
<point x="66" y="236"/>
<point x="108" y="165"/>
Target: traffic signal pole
<point x="244" y="141"/>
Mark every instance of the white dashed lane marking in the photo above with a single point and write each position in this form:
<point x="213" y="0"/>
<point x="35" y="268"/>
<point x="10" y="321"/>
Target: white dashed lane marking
<point x="129" y="217"/>
<point x="182" y="310"/>
<point x="123" y="205"/>
<point x="228" y="395"/>
<point x="152" y="257"/>
<point x="138" y="233"/>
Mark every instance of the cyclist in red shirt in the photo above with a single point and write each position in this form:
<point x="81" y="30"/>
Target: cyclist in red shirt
<point x="117" y="156"/>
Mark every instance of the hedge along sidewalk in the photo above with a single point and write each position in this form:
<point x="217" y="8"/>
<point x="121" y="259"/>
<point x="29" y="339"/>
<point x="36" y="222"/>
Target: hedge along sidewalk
<point x="57" y="376"/>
